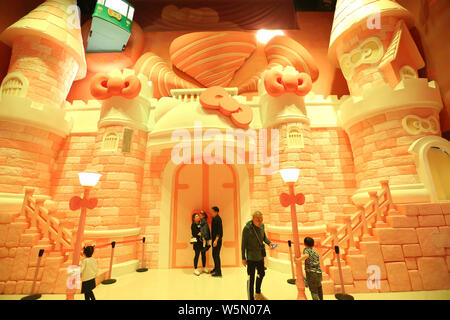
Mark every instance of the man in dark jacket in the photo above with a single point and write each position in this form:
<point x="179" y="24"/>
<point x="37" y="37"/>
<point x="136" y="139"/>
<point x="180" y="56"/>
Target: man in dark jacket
<point x="253" y="253"/>
<point x="216" y="237"/>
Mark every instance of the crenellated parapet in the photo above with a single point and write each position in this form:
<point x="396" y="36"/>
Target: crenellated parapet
<point x="125" y="98"/>
<point x="409" y="93"/>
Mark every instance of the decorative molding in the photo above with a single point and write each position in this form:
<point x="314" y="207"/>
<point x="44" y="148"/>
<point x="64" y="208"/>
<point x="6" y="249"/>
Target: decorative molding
<point x="316" y="229"/>
<point x="415" y="125"/>
<point x="111" y="234"/>
<point x="409" y="94"/>
<point x="370" y="51"/>
<point x="10" y="202"/>
<point x="406" y="193"/>
<point x="46" y="117"/>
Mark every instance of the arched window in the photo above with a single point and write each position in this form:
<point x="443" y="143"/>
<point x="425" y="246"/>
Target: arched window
<point x="110" y="141"/>
<point x="14" y="84"/>
<point x="295" y="138"/>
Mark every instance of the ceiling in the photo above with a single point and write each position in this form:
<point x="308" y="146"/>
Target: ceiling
<point x="246" y="15"/>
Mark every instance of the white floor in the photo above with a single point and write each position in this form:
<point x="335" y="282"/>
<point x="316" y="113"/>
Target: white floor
<point x="182" y="284"/>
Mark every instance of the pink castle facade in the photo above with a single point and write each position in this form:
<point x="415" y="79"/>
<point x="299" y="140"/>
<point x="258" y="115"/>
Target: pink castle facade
<point x="374" y="168"/>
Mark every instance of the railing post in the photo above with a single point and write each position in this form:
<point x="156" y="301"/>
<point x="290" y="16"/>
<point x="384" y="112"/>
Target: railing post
<point x="385" y="186"/>
<point x="38" y="202"/>
<point x="292" y="280"/>
<point x="59" y="245"/>
<point x="332" y="228"/>
<point x="39" y="205"/>
<point x="110" y="280"/>
<point x="390" y="208"/>
<point x="379" y="218"/>
<point x="365" y="235"/>
<point x="28" y="194"/>
<point x="51" y="209"/>
<point x="35" y="296"/>
<point x="143" y="268"/>
<point x="351" y="241"/>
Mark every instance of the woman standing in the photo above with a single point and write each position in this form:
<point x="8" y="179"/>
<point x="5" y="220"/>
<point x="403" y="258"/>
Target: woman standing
<point x="198" y="244"/>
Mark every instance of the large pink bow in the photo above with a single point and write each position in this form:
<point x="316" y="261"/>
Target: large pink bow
<point x="277" y="82"/>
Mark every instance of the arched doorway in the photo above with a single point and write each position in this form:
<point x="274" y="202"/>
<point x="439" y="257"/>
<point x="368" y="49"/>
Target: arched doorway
<point x="432" y="156"/>
<point x="201" y="186"/>
<point x="439" y="162"/>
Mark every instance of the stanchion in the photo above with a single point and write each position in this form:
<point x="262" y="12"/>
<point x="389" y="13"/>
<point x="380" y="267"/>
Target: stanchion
<point x="291" y="281"/>
<point x="143" y="268"/>
<point x="343" y="295"/>
<point x="109" y="280"/>
<point x="35" y="296"/>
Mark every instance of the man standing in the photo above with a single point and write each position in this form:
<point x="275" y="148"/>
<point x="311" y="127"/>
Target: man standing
<point x="253" y="253"/>
<point x="216" y="237"/>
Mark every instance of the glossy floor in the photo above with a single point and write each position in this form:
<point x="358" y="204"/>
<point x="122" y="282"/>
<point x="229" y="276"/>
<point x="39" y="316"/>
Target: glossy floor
<point x="182" y="284"/>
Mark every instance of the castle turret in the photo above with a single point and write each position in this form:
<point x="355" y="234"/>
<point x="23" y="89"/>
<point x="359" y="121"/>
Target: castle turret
<point x="47" y="49"/>
<point x="47" y="55"/>
<point x="390" y="107"/>
<point x="119" y="155"/>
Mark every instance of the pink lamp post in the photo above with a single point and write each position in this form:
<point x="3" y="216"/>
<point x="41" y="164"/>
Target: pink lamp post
<point x="290" y="176"/>
<point x="87" y="180"/>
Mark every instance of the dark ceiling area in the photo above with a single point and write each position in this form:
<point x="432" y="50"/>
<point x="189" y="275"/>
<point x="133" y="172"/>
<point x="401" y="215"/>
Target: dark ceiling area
<point x="315" y="5"/>
<point x="142" y="7"/>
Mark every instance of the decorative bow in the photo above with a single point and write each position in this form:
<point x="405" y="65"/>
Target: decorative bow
<point x="277" y="82"/>
<point x="286" y="200"/>
<point x="104" y="87"/>
<point x="218" y="98"/>
<point x="76" y="203"/>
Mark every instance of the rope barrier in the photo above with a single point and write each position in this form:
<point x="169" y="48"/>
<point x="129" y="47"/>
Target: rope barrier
<point x="104" y="245"/>
<point x="315" y="246"/>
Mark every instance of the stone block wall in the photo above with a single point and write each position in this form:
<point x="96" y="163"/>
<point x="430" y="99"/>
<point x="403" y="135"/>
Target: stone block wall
<point x="335" y="170"/>
<point x="150" y="211"/>
<point x="75" y="156"/>
<point x="380" y="147"/>
<point x="27" y="157"/>
<point x="49" y="69"/>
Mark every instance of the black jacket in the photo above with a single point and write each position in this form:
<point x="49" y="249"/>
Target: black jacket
<point x="251" y="247"/>
<point x="216" y="228"/>
<point x="195" y="229"/>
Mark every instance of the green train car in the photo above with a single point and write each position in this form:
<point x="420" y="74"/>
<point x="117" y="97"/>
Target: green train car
<point x="111" y="26"/>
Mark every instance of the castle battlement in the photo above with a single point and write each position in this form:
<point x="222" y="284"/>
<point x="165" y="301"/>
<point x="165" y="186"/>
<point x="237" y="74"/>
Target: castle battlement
<point x="404" y="90"/>
<point x="311" y="99"/>
<point x="409" y="93"/>
<point x="79" y="105"/>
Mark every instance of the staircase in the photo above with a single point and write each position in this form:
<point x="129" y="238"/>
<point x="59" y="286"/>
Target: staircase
<point x="359" y="226"/>
<point x="389" y="247"/>
<point x="35" y="227"/>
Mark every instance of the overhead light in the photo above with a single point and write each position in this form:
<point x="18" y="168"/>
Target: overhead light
<point x="264" y="36"/>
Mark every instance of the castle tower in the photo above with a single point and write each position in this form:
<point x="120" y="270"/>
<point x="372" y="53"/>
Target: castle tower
<point x="47" y="49"/>
<point x="287" y="114"/>
<point x="390" y="107"/>
<point x="47" y="55"/>
<point x="119" y="156"/>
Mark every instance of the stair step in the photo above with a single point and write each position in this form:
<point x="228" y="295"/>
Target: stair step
<point x="32" y="231"/>
<point x="21" y="219"/>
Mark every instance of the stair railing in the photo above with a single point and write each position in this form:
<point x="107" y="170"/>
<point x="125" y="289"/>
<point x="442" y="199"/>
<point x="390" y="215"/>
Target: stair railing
<point x="360" y="224"/>
<point x="41" y="213"/>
